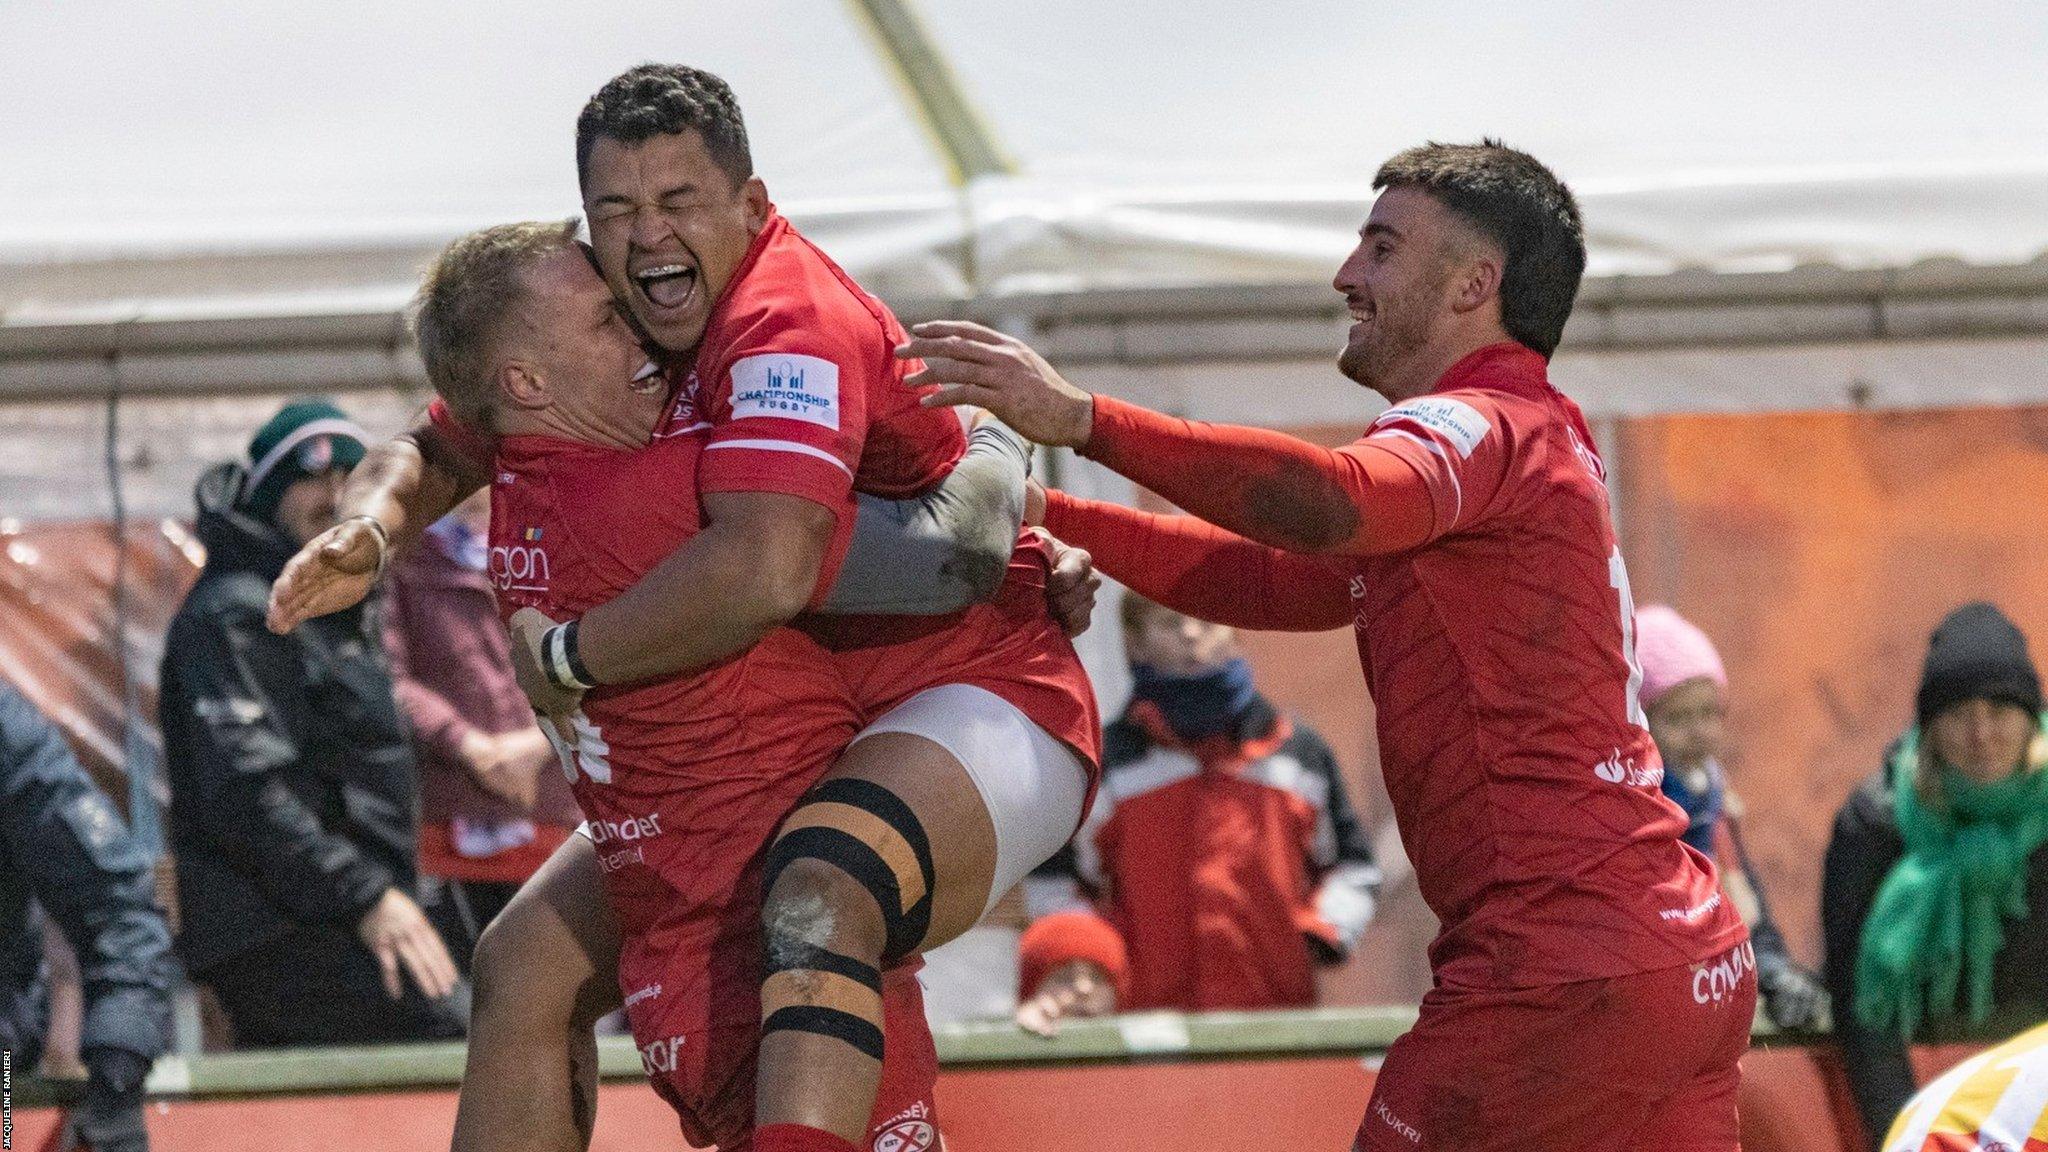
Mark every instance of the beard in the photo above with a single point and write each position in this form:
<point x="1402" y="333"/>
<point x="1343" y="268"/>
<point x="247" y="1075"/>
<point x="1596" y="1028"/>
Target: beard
<point x="1401" y="325"/>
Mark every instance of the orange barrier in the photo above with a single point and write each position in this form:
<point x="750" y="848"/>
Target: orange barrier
<point x="1164" y="1107"/>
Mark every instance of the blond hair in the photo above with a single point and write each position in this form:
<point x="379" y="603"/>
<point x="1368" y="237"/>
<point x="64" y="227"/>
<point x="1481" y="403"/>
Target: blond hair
<point x="469" y="290"/>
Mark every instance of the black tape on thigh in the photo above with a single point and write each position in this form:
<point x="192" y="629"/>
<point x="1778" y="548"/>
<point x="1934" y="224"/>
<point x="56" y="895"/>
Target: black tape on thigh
<point x="864" y="1036"/>
<point x="905" y="927"/>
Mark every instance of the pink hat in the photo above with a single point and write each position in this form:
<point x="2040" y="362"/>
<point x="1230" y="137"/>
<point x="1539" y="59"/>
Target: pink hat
<point x="1672" y="651"/>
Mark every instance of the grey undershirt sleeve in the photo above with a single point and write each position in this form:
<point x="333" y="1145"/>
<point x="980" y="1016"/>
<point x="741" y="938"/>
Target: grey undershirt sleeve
<point x="942" y="551"/>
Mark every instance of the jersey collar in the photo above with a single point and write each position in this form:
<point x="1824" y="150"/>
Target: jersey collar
<point x="1504" y="367"/>
<point x="772" y="229"/>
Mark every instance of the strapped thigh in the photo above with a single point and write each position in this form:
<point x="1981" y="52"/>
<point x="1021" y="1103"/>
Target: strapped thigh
<point x="868" y="833"/>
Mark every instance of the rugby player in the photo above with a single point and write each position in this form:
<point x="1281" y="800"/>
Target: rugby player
<point x="980" y="741"/>
<point x="1592" y="990"/>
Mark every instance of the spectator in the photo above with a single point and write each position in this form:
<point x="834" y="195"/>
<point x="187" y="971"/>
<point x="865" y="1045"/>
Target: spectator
<point x="1222" y="857"/>
<point x="1934" y="896"/>
<point x="65" y="850"/>
<point x="292" y="786"/>
<point x="493" y="801"/>
<point x="1685" y="695"/>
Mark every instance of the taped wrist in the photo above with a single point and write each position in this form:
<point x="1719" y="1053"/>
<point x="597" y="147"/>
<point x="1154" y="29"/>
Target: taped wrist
<point x="561" y="661"/>
<point x="376" y="528"/>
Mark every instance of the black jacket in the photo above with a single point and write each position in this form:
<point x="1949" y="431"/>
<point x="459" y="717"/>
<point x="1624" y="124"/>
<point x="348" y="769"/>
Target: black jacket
<point x="293" y="795"/>
<point x="64" y="847"/>
<point x="1861" y="852"/>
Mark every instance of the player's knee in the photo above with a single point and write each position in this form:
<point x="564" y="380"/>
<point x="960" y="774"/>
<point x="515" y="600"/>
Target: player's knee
<point x="813" y="904"/>
<point x="851" y="869"/>
<point x="513" y="984"/>
<point x="822" y="939"/>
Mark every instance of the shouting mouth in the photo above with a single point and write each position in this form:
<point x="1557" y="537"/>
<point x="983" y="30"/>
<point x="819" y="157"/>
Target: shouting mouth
<point x="667" y="286"/>
<point x="647" y="381"/>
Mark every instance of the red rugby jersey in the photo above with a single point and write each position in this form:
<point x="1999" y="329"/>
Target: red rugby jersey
<point x="683" y="778"/>
<point x="797" y="374"/>
<point x="796" y="389"/>
<point x="1494" y="625"/>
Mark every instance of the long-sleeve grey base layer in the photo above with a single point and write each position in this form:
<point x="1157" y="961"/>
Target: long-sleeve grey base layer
<point x="945" y="550"/>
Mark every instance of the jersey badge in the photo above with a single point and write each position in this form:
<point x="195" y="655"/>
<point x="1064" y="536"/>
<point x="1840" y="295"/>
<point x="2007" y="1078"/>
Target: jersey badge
<point x="786" y="386"/>
<point x="682" y="413"/>
<point x="1454" y="422"/>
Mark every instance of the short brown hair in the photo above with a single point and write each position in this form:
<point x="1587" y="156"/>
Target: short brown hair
<point x="1510" y="198"/>
<point x="469" y="290"/>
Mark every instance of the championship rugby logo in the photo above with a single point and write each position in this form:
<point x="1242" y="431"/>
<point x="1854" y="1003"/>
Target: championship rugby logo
<point x="786" y="386"/>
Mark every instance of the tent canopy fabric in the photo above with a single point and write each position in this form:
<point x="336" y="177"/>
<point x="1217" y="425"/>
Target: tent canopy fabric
<point x="1158" y="146"/>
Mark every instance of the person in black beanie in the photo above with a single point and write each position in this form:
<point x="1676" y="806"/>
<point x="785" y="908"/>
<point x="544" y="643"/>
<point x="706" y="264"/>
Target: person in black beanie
<point x="293" y="786"/>
<point x="1934" y="894"/>
<point x="1221" y="864"/>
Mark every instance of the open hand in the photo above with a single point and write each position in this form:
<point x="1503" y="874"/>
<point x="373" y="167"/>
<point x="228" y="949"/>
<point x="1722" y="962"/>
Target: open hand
<point x="1078" y="988"/>
<point x="397" y="933"/>
<point x="335" y="570"/>
<point x="981" y="366"/>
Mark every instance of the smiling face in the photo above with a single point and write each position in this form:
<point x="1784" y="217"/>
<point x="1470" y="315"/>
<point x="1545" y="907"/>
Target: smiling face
<point x="670" y="229"/>
<point x="1399" y="286"/>
<point x="570" y="364"/>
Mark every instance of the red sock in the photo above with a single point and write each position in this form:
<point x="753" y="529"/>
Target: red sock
<point x="798" y="1138"/>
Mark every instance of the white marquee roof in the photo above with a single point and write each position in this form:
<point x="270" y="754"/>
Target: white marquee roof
<point x="1195" y="142"/>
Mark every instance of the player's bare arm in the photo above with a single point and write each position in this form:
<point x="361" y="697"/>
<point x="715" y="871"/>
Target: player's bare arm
<point x="1264" y="485"/>
<point x="753" y="567"/>
<point x="401" y="486"/>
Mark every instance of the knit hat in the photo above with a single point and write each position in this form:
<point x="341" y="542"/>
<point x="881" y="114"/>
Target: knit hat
<point x="1977" y="653"/>
<point x="305" y="438"/>
<point x="1672" y="650"/>
<point x="1074" y="934"/>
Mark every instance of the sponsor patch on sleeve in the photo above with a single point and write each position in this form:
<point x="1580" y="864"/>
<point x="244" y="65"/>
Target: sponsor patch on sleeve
<point x="786" y="386"/>
<point x="1455" y="422"/>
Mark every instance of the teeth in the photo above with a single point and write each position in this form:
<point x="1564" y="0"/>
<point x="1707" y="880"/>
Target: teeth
<point x="660" y="271"/>
<point x="647" y="371"/>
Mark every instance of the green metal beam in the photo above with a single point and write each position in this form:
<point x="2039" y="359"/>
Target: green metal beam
<point x="963" y="139"/>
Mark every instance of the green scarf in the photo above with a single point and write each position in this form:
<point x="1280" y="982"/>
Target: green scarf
<point x="1940" y="913"/>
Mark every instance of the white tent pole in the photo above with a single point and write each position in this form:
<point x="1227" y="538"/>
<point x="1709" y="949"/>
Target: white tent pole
<point x="958" y="132"/>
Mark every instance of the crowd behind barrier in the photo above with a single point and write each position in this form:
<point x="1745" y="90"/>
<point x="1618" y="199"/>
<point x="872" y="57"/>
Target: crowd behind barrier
<point x="349" y="804"/>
